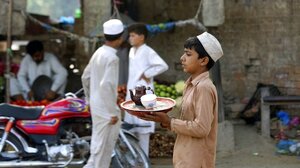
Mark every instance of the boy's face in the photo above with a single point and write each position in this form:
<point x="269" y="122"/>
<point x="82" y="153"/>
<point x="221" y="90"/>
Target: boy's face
<point x="136" y="40"/>
<point x="191" y="63"/>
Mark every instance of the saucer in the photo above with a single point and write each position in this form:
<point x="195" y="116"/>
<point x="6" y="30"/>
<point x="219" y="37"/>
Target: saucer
<point x="163" y="104"/>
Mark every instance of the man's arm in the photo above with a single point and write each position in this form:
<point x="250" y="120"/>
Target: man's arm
<point x="23" y="74"/>
<point x="109" y="86"/>
<point x="85" y="79"/>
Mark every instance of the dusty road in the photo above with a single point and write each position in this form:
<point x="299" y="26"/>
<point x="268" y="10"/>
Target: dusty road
<point x="251" y="151"/>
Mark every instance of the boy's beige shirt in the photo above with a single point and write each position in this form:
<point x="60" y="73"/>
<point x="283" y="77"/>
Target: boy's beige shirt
<point x="195" y="145"/>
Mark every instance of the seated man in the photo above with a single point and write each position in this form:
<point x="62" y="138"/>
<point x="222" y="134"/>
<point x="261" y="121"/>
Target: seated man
<point x="37" y="63"/>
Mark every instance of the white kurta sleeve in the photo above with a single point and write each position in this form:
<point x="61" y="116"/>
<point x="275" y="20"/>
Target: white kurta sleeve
<point x="23" y="74"/>
<point x="109" y="86"/>
<point x="60" y="74"/>
<point x="85" y="79"/>
<point x="156" y="65"/>
<point x="14" y="86"/>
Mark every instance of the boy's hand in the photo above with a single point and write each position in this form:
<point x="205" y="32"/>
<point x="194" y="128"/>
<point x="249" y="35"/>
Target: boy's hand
<point x="113" y="120"/>
<point x="160" y="117"/>
<point x="145" y="79"/>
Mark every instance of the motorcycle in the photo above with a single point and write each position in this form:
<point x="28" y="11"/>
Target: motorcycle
<point x="57" y="135"/>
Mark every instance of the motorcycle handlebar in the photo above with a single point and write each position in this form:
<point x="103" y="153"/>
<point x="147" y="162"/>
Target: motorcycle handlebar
<point x="79" y="93"/>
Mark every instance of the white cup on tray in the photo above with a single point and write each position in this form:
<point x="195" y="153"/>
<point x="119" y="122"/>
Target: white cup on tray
<point x="149" y="101"/>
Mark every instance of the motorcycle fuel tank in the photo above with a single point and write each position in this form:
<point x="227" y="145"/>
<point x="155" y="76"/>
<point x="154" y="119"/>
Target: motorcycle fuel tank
<point x="50" y="119"/>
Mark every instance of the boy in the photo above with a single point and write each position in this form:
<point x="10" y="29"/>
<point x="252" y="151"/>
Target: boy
<point x="196" y="129"/>
<point x="144" y="65"/>
<point x="100" y="82"/>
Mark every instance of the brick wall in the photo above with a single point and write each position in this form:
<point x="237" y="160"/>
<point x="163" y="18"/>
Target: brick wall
<point x="259" y="37"/>
<point x="260" y="44"/>
<point x="95" y="13"/>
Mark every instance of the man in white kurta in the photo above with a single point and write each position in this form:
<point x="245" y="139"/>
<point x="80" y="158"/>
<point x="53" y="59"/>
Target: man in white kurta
<point x="50" y="66"/>
<point x="144" y="63"/>
<point x="36" y="63"/>
<point x="100" y="82"/>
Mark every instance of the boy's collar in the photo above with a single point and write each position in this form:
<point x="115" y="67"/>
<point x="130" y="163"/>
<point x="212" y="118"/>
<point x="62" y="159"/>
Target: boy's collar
<point x="196" y="80"/>
<point x="136" y="47"/>
<point x="110" y="48"/>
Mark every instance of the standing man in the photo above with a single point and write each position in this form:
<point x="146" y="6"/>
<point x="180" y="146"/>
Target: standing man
<point x="197" y="126"/>
<point x="144" y="65"/>
<point x="37" y="63"/>
<point x="100" y="82"/>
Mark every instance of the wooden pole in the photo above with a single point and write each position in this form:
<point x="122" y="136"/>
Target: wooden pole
<point x="265" y="113"/>
<point x="216" y="78"/>
<point x="8" y="51"/>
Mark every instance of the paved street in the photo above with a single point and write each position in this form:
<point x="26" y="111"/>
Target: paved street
<point x="251" y="151"/>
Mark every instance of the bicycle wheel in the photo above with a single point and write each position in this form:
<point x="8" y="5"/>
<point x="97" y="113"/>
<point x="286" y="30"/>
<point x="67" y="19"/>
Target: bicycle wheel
<point x="125" y="159"/>
<point x="11" y="149"/>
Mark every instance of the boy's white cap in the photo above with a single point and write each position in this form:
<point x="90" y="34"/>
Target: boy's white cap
<point x="211" y="45"/>
<point x="113" y="27"/>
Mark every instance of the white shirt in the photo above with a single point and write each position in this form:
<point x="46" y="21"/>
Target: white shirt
<point x="143" y="60"/>
<point x="100" y="82"/>
<point x="50" y="66"/>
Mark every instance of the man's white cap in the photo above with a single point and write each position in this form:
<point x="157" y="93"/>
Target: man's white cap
<point x="211" y="45"/>
<point x="113" y="27"/>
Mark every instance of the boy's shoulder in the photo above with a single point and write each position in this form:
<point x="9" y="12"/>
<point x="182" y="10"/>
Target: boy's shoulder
<point x="105" y="50"/>
<point x="206" y="84"/>
<point x="147" y="48"/>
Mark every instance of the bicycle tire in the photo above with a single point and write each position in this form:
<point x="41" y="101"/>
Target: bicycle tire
<point x="11" y="142"/>
<point x="124" y="158"/>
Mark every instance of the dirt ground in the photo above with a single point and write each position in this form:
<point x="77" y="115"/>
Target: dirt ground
<point x="251" y="151"/>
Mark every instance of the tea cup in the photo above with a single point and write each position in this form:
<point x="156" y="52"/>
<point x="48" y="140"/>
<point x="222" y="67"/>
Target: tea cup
<point x="149" y="100"/>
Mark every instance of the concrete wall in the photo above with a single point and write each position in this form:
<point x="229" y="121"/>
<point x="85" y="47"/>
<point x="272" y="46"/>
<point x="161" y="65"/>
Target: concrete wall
<point x="18" y="21"/>
<point x="95" y="13"/>
<point x="259" y="39"/>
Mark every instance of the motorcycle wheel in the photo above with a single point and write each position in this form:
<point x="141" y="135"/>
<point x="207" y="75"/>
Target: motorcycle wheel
<point x="11" y="149"/>
<point x="124" y="158"/>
